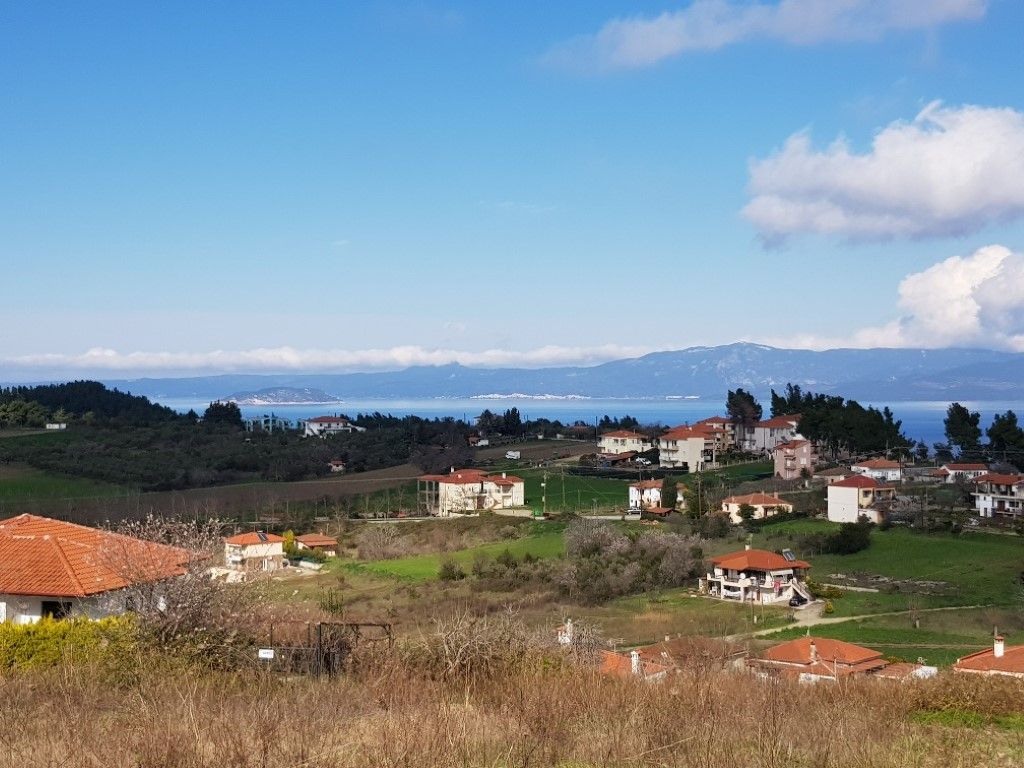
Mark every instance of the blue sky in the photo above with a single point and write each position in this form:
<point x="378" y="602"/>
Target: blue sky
<point x="265" y="186"/>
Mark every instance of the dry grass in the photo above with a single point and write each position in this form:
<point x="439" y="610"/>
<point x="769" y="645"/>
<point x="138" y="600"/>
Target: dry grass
<point x="537" y="710"/>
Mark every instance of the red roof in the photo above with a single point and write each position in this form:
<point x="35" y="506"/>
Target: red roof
<point x="878" y="464"/>
<point x="715" y="420"/>
<point x="316" y="540"/>
<point x="621" y="665"/>
<point x="253" y="537"/>
<point x="791" y="444"/>
<point x="857" y="481"/>
<point x="779" y="422"/>
<point x="646" y="485"/>
<point x="471" y="477"/>
<point x="824" y="656"/>
<point x="757" y="500"/>
<point x="625" y="433"/>
<point x="683" y="433"/>
<point x="52" y="558"/>
<point x="756" y="560"/>
<point x="998" y="479"/>
<point x="1010" y="663"/>
<point x="967" y="467"/>
<point x="327" y="420"/>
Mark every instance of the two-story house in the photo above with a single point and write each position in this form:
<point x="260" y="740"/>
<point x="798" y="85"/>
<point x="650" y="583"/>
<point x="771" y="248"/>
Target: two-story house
<point x="999" y="494"/>
<point x="328" y="425"/>
<point x="960" y="471"/>
<point x="687" y="447"/>
<point x="623" y="441"/>
<point x="758" y="576"/>
<point x="763" y="436"/>
<point x="465" y="491"/>
<point x="858" y="496"/>
<point x="645" y="494"/>
<point x="254" y="551"/>
<point x="793" y="459"/>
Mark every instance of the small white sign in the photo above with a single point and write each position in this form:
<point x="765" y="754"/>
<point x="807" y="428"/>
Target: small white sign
<point x="266" y="653"/>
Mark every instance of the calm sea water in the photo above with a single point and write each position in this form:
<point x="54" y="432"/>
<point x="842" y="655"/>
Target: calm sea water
<point x="922" y="420"/>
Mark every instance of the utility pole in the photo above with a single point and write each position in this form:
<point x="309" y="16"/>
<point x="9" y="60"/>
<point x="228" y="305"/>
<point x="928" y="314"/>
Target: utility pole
<point x="544" y="492"/>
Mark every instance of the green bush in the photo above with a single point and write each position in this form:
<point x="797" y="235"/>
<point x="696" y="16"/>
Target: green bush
<point x="50" y="642"/>
<point x="451" y="571"/>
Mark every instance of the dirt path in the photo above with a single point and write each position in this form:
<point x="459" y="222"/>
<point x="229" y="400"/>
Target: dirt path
<point x="812" y="617"/>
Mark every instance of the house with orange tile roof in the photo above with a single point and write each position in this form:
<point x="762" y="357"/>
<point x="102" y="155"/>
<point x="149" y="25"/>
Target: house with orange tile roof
<point x="765" y="505"/>
<point x="958" y="471"/>
<point x="254" y="552"/>
<point x="469" y="491"/>
<point x="54" y="568"/>
<point x="722" y="427"/>
<point x="326" y="545"/>
<point x="812" y="659"/>
<point x="859" y="496"/>
<point x="793" y="459"/>
<point x="763" y="436"/>
<point x="998" y="661"/>
<point x="884" y="470"/>
<point x="623" y="440"/>
<point x="631" y="665"/>
<point x="758" y="576"/>
<point x="996" y="493"/>
<point x="691" y="448"/>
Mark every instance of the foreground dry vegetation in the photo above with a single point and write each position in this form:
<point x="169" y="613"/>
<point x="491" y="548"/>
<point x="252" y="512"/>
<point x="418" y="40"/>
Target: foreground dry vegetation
<point x="493" y="704"/>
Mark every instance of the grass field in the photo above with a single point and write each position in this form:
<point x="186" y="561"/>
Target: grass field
<point x="19" y="484"/>
<point x="548" y="543"/>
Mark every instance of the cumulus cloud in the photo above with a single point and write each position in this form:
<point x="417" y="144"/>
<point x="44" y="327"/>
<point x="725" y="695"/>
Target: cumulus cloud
<point x="963" y="301"/>
<point x="949" y="171"/>
<point x="102" y="360"/>
<point x="707" y="25"/>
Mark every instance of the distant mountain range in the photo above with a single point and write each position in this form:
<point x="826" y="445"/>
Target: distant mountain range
<point x="865" y="374"/>
<point x="283" y="396"/>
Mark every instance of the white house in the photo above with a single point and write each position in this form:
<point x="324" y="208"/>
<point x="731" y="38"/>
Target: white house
<point x="756" y="575"/>
<point x="764" y="506"/>
<point x="645" y="494"/>
<point x="623" y="440"/>
<point x="687" y="447"/>
<point x="999" y="494"/>
<point x="763" y="436"/>
<point x="254" y="551"/>
<point x="58" y="569"/>
<point x="57" y="425"/>
<point x="723" y="429"/>
<point x="858" y="496"/>
<point x="885" y="470"/>
<point x="329" y="425"/>
<point x="470" y="490"/>
<point x="951" y="473"/>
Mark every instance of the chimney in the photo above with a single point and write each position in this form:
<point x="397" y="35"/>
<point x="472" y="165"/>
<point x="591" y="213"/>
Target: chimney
<point x="634" y="662"/>
<point x="998" y="647"/>
<point x="504" y="475"/>
<point x="746" y="547"/>
<point x="814" y="653"/>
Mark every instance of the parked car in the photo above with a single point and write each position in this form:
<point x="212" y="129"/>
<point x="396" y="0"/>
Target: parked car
<point x="796" y="601"/>
<point x="644" y="462"/>
<point x="513" y="454"/>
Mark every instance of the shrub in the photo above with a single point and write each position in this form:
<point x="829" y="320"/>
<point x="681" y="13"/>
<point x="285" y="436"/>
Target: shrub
<point x="50" y="642"/>
<point x="451" y="571"/>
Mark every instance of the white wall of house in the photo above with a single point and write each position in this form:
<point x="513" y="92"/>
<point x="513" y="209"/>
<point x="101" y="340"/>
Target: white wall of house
<point x="989" y="503"/>
<point x="265" y="556"/>
<point x="482" y="495"/>
<point x="848" y="505"/>
<point x="759" y="439"/>
<point x="761" y="511"/>
<point x="676" y="453"/>
<point x="885" y="475"/>
<point x="644" y="498"/>
<point x="320" y="428"/>
<point x="623" y="444"/>
<point x="28" y="609"/>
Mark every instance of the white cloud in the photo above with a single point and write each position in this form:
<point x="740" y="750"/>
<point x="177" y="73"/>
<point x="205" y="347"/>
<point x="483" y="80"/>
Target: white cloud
<point x="102" y="360"/>
<point x="964" y="301"/>
<point x="950" y="171"/>
<point x="707" y="25"/>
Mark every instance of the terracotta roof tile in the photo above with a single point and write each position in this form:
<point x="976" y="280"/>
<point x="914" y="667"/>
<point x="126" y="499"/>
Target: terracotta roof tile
<point x="52" y="558"/>
<point x="757" y="500"/>
<point x="1010" y="663"/>
<point x="317" y="540"/>
<point x="756" y="560"/>
<point x="253" y="537"/>
<point x="878" y="464"/>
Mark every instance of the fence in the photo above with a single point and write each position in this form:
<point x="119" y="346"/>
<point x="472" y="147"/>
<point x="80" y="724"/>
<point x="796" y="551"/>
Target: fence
<point x="318" y="648"/>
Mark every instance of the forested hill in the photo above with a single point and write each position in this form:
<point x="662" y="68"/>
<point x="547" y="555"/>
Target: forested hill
<point x="90" y="400"/>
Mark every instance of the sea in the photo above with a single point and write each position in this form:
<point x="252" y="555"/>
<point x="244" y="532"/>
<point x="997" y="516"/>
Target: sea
<point x="922" y="419"/>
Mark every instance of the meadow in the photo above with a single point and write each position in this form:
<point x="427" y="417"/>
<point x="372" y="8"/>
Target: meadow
<point x="21" y="484"/>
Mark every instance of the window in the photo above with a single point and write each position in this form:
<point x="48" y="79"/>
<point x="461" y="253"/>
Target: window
<point x="56" y="609"/>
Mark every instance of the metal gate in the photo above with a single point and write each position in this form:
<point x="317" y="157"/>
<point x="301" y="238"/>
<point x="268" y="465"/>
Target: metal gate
<point x="318" y="648"/>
